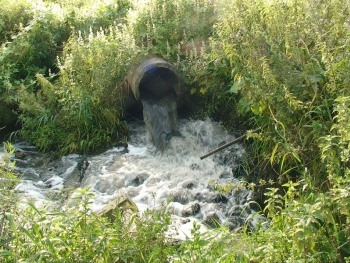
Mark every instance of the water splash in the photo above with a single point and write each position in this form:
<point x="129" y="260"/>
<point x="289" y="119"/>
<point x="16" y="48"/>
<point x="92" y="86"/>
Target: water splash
<point x="161" y="121"/>
<point x="175" y="179"/>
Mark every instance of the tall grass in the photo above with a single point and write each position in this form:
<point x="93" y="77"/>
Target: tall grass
<point x="287" y="61"/>
<point x="281" y="66"/>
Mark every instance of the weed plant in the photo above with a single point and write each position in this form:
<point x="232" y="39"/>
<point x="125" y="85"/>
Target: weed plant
<point x="286" y="66"/>
<point x="281" y="66"/>
<point x="81" y="111"/>
<point x="283" y="60"/>
<point x="8" y="181"/>
<point x="79" y="235"/>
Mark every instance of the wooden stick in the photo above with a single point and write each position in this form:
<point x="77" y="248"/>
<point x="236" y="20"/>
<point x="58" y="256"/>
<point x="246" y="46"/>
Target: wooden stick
<point x="226" y="145"/>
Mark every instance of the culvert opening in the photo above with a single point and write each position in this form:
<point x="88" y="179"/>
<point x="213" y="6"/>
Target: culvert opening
<point x="157" y="85"/>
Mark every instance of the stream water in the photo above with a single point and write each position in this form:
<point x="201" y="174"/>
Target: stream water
<point x="161" y="121"/>
<point x="174" y="178"/>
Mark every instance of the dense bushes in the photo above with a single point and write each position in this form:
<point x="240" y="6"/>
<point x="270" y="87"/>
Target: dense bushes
<point x="78" y="235"/>
<point x="287" y="62"/>
<point x="8" y="181"/>
<point x="30" y="47"/>
<point x="281" y="66"/>
<point x="276" y="64"/>
<point x="81" y="111"/>
<point x="14" y="15"/>
<point x="80" y="108"/>
<point x="167" y="28"/>
<point x="32" y="56"/>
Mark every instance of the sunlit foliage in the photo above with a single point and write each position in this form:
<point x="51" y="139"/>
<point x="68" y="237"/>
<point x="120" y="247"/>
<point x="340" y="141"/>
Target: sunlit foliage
<point x="280" y="66"/>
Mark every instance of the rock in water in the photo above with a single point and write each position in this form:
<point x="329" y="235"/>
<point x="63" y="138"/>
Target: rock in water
<point x="126" y="207"/>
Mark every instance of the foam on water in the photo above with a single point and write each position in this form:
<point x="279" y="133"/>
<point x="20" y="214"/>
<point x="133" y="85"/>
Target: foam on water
<point x="175" y="179"/>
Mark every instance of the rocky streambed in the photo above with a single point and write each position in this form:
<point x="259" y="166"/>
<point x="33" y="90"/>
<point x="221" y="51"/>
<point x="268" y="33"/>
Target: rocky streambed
<point x="174" y="179"/>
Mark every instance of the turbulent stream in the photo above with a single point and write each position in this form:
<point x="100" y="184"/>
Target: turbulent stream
<point x="174" y="178"/>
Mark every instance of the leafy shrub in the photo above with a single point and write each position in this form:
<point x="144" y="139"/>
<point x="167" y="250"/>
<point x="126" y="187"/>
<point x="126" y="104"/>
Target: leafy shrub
<point x="288" y="62"/>
<point x="79" y="235"/>
<point x="166" y="28"/>
<point x="14" y="15"/>
<point x="86" y="15"/>
<point x="82" y="110"/>
<point x="305" y="226"/>
<point x="40" y="37"/>
<point x="36" y="33"/>
<point x="33" y="50"/>
<point x="218" y="245"/>
<point x="8" y="180"/>
<point x="279" y="55"/>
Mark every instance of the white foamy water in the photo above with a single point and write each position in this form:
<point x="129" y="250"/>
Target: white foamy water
<point x="175" y="179"/>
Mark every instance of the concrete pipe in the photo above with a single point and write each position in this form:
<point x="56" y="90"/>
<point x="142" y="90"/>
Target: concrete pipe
<point x="153" y="79"/>
<point x="156" y="84"/>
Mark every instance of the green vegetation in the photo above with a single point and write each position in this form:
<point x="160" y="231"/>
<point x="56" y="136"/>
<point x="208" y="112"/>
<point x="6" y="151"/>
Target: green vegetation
<point x="7" y="182"/>
<point x="78" y="235"/>
<point x="281" y="66"/>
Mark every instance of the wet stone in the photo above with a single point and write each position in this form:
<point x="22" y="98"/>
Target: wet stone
<point x="238" y="172"/>
<point x="28" y="174"/>
<point x="137" y="180"/>
<point x="236" y="211"/>
<point x="212" y="220"/>
<point x="185" y="220"/>
<point x="109" y="186"/>
<point x="191" y="209"/>
<point x="189" y="184"/>
<point x="240" y="197"/>
<point x="234" y="223"/>
<point x="225" y="175"/>
<point x="194" y="166"/>
<point x="228" y="156"/>
<point x="181" y="196"/>
<point x="200" y="197"/>
<point x="205" y="196"/>
<point x="20" y="154"/>
<point x="20" y="162"/>
<point x="153" y="181"/>
<point x="219" y="198"/>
